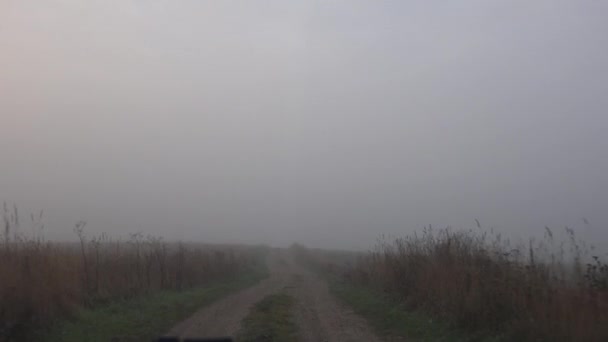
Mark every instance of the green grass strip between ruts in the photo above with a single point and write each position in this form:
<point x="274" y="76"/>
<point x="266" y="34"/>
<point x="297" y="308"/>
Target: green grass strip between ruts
<point x="270" y="320"/>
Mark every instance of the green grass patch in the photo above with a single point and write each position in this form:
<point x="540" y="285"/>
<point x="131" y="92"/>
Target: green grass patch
<point x="147" y="317"/>
<point x="390" y="317"/>
<point x="270" y="320"/>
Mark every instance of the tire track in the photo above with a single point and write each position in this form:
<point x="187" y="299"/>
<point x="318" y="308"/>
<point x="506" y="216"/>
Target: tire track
<point x="319" y="316"/>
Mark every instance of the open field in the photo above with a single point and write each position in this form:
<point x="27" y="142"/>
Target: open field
<point x="271" y="171"/>
<point x="43" y="283"/>
<point x="473" y="285"/>
<point x="435" y="286"/>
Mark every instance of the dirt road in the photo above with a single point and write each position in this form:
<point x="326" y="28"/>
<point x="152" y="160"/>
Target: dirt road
<point x="318" y="315"/>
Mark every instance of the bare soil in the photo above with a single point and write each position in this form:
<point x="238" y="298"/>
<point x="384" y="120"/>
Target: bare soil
<point x="318" y="315"/>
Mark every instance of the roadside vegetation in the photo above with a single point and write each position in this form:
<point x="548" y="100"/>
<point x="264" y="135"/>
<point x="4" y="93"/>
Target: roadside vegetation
<point x="477" y="284"/>
<point x="144" y="318"/>
<point x="45" y="285"/>
<point x="270" y="320"/>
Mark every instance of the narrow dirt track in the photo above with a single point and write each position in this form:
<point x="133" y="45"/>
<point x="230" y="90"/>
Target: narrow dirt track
<point x="318" y="315"/>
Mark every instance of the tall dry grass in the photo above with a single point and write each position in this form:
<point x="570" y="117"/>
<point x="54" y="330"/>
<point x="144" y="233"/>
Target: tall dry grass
<point x="42" y="280"/>
<point x="544" y="291"/>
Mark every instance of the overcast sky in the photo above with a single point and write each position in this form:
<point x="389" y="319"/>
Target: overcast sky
<point x="327" y="122"/>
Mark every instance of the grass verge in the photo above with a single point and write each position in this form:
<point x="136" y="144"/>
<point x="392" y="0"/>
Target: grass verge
<point x="390" y="318"/>
<point x="146" y="317"/>
<point x="270" y="320"/>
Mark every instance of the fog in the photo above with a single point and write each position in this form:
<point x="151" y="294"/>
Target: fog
<point x="325" y="122"/>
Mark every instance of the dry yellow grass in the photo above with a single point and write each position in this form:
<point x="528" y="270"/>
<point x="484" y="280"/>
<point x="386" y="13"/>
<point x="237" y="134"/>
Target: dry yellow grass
<point x="480" y="283"/>
<point x="42" y="280"/>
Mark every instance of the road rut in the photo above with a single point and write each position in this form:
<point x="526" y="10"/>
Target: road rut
<point x="319" y="316"/>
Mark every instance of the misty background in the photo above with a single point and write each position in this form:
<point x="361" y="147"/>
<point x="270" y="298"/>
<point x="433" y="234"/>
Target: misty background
<point x="326" y="122"/>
